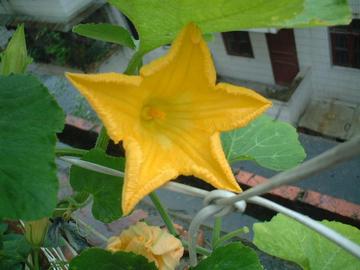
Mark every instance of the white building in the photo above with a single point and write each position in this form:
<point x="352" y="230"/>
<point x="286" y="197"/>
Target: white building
<point x="326" y="60"/>
<point x="312" y="74"/>
<point x="314" y="71"/>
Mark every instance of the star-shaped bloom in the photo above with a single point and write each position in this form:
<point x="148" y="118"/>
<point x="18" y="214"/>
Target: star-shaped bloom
<point x="170" y="117"/>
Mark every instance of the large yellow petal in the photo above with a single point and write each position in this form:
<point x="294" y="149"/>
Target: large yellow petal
<point x="187" y="67"/>
<point x="199" y="153"/>
<point x="116" y="98"/>
<point x="226" y="107"/>
<point x="147" y="167"/>
<point x="149" y="164"/>
<point x="185" y="80"/>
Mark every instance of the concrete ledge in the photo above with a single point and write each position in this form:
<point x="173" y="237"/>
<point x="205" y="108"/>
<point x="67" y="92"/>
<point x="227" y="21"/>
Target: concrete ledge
<point x="292" y="110"/>
<point x="82" y="123"/>
<point x="295" y="195"/>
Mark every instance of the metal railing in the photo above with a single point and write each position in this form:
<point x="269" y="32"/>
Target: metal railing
<point x="220" y="202"/>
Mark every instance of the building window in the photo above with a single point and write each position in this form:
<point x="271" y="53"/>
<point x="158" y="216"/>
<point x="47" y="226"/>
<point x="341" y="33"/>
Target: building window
<point x="345" y="43"/>
<point x="238" y="43"/>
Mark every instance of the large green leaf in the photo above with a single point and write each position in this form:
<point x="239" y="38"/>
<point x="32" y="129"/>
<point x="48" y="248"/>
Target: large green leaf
<point x="29" y="120"/>
<point x="15" y="59"/>
<point x="106" y="189"/>
<point x="322" y="13"/>
<point x="272" y="144"/>
<point x="231" y="257"/>
<point x="288" y="239"/>
<point x="159" y="21"/>
<point x="14" y="252"/>
<point x="99" y="259"/>
<point x="105" y="32"/>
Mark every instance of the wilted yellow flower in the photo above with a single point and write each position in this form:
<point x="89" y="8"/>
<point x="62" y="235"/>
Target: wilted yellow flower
<point x="170" y="117"/>
<point x="155" y="244"/>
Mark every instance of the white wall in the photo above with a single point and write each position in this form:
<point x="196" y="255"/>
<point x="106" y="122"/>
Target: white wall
<point x="50" y="10"/>
<point x="355" y="7"/>
<point x="253" y="69"/>
<point x="328" y="81"/>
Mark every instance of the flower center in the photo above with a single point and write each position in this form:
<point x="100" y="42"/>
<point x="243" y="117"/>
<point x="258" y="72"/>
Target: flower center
<point x="152" y="113"/>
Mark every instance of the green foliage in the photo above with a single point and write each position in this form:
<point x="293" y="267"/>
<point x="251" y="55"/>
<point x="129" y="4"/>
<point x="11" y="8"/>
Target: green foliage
<point x="15" y="59"/>
<point x="272" y="144"/>
<point x="13" y="251"/>
<point x="105" y="32"/>
<point x="99" y="259"/>
<point x="65" y="48"/>
<point x="288" y="239"/>
<point x="321" y="13"/>
<point x="105" y="189"/>
<point x="231" y="257"/>
<point x="30" y="117"/>
<point x="158" y="23"/>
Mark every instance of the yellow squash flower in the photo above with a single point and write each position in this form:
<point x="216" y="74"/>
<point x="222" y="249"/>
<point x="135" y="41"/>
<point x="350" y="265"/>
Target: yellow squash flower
<point x="155" y="244"/>
<point x="170" y="117"/>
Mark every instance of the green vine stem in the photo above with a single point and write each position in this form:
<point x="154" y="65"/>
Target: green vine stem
<point x="229" y="236"/>
<point x="199" y="250"/>
<point x="134" y="63"/>
<point x="216" y="231"/>
<point x="69" y="151"/>
<point x="163" y="213"/>
<point x="35" y="256"/>
<point x="103" y="139"/>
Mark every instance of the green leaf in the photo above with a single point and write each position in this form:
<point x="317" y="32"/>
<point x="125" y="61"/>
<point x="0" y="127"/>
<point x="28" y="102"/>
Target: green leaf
<point x="322" y="13"/>
<point x="106" y="189"/>
<point x="15" y="59"/>
<point x="272" y="144"/>
<point x="231" y="257"/>
<point x="3" y="228"/>
<point x="105" y="32"/>
<point x="99" y="259"/>
<point x="29" y="119"/>
<point x="14" y="252"/>
<point x="158" y="21"/>
<point x="288" y="239"/>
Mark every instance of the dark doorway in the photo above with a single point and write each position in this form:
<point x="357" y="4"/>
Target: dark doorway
<point x="284" y="61"/>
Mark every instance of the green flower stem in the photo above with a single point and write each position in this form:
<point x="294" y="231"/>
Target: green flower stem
<point x="35" y="256"/>
<point x="163" y="213"/>
<point x="230" y="235"/>
<point x="103" y="139"/>
<point x="69" y="151"/>
<point x="134" y="63"/>
<point x="216" y="231"/>
<point x="199" y="250"/>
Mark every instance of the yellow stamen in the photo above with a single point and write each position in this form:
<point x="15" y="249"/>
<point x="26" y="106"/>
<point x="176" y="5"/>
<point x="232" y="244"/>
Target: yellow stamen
<point x="152" y="113"/>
